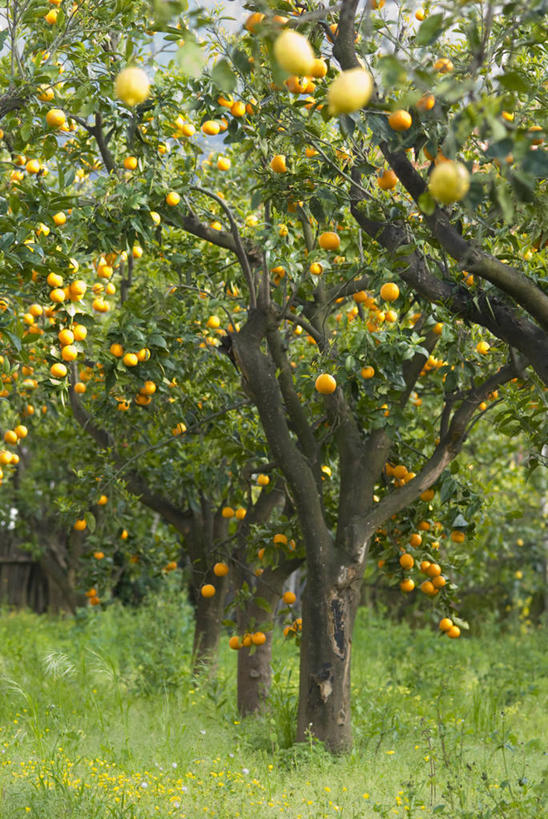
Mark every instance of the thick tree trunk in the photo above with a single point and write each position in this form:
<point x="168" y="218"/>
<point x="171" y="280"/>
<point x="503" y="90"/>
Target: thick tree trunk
<point x="254" y="676"/>
<point x="324" y="693"/>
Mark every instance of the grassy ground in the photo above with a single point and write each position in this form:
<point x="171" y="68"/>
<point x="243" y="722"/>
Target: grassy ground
<point x="100" y="718"/>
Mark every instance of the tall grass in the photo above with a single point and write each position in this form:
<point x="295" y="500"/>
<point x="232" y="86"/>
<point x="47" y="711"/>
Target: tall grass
<point x="100" y="717"/>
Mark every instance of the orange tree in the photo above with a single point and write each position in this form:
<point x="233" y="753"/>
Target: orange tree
<point x="407" y="203"/>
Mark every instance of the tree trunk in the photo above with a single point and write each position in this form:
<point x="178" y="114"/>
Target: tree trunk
<point x="208" y="614"/>
<point x="324" y="691"/>
<point x="254" y="676"/>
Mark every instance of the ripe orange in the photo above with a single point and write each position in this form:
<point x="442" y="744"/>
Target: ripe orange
<point x="325" y="384"/>
<point x="240" y="513"/>
<point x="426" y="102"/>
<point x="446" y="624"/>
<point x="443" y="65"/>
<point x="65" y="337"/>
<point x="227" y="512"/>
<point x="220" y="569"/>
<point x="316" y="269"/>
<point x="424" y="566"/>
<point x="399" y="471"/>
<point x="453" y="632"/>
<point x="238" y="109"/>
<point x="223" y="163"/>
<point x="427" y="495"/>
<point x="407" y="585"/>
<point x="80" y="525"/>
<point x="143" y="354"/>
<point x="387" y="180"/>
<point x="10" y="437"/>
<point x="59" y="218"/>
<point x="173" y="198"/>
<point x="415" y="540"/>
<point x="117" y="350"/>
<point x="400" y="120"/>
<point x="390" y="291"/>
<point x="235" y="643"/>
<point x="210" y="127"/>
<point x="130" y="163"/>
<point x="457" y="536"/>
<point x="253" y="21"/>
<point x="21" y="431"/>
<point x="69" y="353"/>
<point x="207" y="590"/>
<point x="58" y="370"/>
<point x="289" y="597"/>
<point x="259" y="638"/>
<point x="367" y="372"/>
<point x="56" y="118"/>
<point x="263" y="480"/>
<point x="439" y="581"/>
<point x="407" y="561"/>
<point x="329" y="241"/>
<point x="427" y="587"/>
<point x="433" y="570"/>
<point x="278" y="164"/>
<point x="483" y="347"/>
<point x="279" y="538"/>
<point x="130" y="360"/>
<point x="98" y="555"/>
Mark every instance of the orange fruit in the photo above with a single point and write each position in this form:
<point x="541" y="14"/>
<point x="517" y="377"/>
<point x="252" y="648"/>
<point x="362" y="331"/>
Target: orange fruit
<point x="210" y="127"/>
<point x="10" y="437"/>
<point x="235" y="643"/>
<point x="253" y="21"/>
<point x="227" y="512"/>
<point x="56" y="118"/>
<point x="325" y="384"/>
<point x="427" y="587"/>
<point x="263" y="480"/>
<point x="130" y="360"/>
<point x="278" y="164"/>
<point x="390" y="291"/>
<point x="207" y="590"/>
<point x="407" y="561"/>
<point x="439" y="582"/>
<point x="69" y="353"/>
<point x="238" y="109"/>
<point x="259" y="638"/>
<point x="80" y="525"/>
<point x="427" y="495"/>
<point x="426" y="102"/>
<point x="443" y="65"/>
<point x="446" y="624"/>
<point x="387" y="180"/>
<point x="316" y="269"/>
<point x="329" y="241"/>
<point x="117" y="350"/>
<point x="21" y="431"/>
<point x="58" y="370"/>
<point x="424" y="566"/>
<point x="367" y="372"/>
<point x="289" y="597"/>
<point x="240" y="513"/>
<point x="457" y="536"/>
<point x="130" y="163"/>
<point x="433" y="570"/>
<point x="132" y="86"/>
<point x="220" y="569"/>
<point x="400" y="120"/>
<point x="453" y="632"/>
<point x="415" y="540"/>
<point x="173" y="198"/>
<point x="98" y="555"/>
<point x="279" y="538"/>
<point x="407" y="585"/>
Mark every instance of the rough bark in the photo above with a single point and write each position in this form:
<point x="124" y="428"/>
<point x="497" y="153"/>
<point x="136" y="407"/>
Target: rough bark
<point x="329" y="612"/>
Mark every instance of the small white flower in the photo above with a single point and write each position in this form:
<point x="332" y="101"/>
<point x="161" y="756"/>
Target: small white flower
<point x="245" y="770"/>
<point x="144" y="784"/>
<point x="184" y="788"/>
<point x="202" y="732"/>
<point x="173" y="764"/>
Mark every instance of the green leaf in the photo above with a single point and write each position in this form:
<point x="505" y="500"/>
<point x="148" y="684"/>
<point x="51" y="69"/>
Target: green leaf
<point x="514" y="81"/>
<point x="263" y="604"/>
<point x="191" y="57"/>
<point x="536" y="163"/>
<point x="223" y="76"/>
<point x="91" y="522"/>
<point x="426" y="203"/>
<point x="430" y="29"/>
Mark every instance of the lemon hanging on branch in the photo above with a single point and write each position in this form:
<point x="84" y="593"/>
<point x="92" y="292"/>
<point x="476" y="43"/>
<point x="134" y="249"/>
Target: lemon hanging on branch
<point x="294" y="53"/>
<point x="350" y="91"/>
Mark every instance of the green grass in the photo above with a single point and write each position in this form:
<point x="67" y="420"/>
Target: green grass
<point x="100" y="718"/>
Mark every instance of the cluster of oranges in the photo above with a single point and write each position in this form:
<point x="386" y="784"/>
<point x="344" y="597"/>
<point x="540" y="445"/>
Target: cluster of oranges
<point x="295" y="628"/>
<point x="93" y="597"/>
<point x="258" y="638"/>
